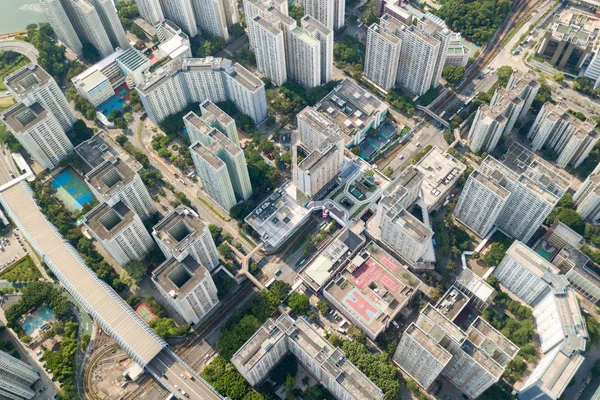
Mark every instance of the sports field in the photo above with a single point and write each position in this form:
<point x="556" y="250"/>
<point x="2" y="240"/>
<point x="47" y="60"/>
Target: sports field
<point x="361" y="306"/>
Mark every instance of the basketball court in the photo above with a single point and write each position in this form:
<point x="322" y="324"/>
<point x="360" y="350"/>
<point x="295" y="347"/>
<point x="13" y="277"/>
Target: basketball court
<point x="361" y="306"/>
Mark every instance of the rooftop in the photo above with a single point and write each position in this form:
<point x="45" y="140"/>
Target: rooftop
<point x="487" y="338"/>
<point x="452" y="303"/>
<point x="210" y="111"/>
<point x="110" y="176"/>
<point x="106" y="221"/>
<point x="179" y="278"/>
<point x="132" y="59"/>
<point x="20" y="118"/>
<point x="207" y="156"/>
<point x="178" y="229"/>
<point x="530" y="259"/>
<point x="26" y="79"/>
<point x="441" y="355"/>
<point x="476" y="285"/>
<point x="441" y="171"/>
<point x="90" y="81"/>
<point x="490" y="184"/>
<point x="566" y="234"/>
<point x="411" y="225"/>
<point x="394" y="194"/>
<point x="96" y="151"/>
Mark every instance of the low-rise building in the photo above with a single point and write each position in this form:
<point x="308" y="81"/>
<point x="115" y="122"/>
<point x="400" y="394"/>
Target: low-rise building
<point x="329" y="365"/>
<point x="372" y="290"/>
<point x="574" y="265"/>
<point x="120" y="232"/>
<point x="481" y="293"/>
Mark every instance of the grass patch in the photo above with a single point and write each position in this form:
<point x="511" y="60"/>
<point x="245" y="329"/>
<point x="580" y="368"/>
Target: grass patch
<point x="214" y="209"/>
<point x="23" y="270"/>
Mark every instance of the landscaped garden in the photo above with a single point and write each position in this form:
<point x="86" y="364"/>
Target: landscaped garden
<point x="23" y="270"/>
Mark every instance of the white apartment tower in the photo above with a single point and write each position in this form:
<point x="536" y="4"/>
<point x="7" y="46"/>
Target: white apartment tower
<point x="151" y="11"/>
<point x="182" y="233"/>
<point x="181" y="12"/>
<point x="211" y="17"/>
<point x="322" y="10"/>
<point x="481" y="203"/>
<point x="506" y="107"/>
<point x="556" y="129"/>
<point x="532" y="188"/>
<point x="587" y="198"/>
<point x="214" y="117"/>
<point x="90" y="27"/>
<point x="16" y="378"/>
<point x="188" y="287"/>
<point x="270" y="49"/>
<point x="305" y="58"/>
<point x="254" y="8"/>
<point x="382" y="56"/>
<point x="33" y="84"/>
<point x="405" y="234"/>
<point x="214" y="176"/>
<point x="320" y="32"/>
<point x="524" y="272"/>
<point x="181" y="82"/>
<point x="110" y="20"/>
<point x="62" y="26"/>
<point x="112" y="179"/>
<point x="120" y="231"/>
<point x="39" y="132"/>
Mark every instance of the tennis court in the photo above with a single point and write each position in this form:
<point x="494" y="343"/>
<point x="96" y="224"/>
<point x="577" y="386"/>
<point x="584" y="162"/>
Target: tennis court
<point x="390" y="283"/>
<point x="144" y="311"/>
<point x="387" y="262"/>
<point x="71" y="190"/>
<point x="361" y="306"/>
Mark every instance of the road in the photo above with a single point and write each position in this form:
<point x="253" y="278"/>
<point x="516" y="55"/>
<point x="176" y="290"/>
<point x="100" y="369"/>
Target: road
<point x="19" y="46"/>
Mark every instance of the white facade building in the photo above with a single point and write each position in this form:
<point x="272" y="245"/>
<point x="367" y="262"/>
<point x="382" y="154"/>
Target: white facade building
<point x="33" y="84"/>
<point x="111" y="23"/>
<point x="211" y="17"/>
<point x="587" y="198"/>
<point x="382" y="57"/>
<point x="63" y="28"/>
<point x="120" y="231"/>
<point x="16" y="378"/>
<point x="188" y="287"/>
<point x="305" y="59"/>
<point x="95" y="87"/>
<point x="556" y="129"/>
<point x="214" y="117"/>
<point x="270" y="49"/>
<point x="151" y="11"/>
<point x="89" y="26"/>
<point x="182" y="233"/>
<point x="405" y="234"/>
<point x="524" y="272"/>
<point x="324" y="36"/>
<point x="173" y="87"/>
<point x="322" y="10"/>
<point x="40" y="134"/>
<point x="182" y="13"/>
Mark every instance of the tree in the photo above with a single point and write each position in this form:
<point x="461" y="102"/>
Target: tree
<point x="150" y="177"/>
<point x="136" y="270"/>
<point x="290" y="382"/>
<point x="559" y="77"/>
<point x="215" y="232"/>
<point x="296" y="11"/>
<point x="357" y="334"/>
<point x="504" y="74"/>
<point x="453" y="74"/>
<point x="323" y="307"/>
<point x="449" y="136"/>
<point x="166" y="327"/>
<point x="299" y="303"/>
<point x="80" y="132"/>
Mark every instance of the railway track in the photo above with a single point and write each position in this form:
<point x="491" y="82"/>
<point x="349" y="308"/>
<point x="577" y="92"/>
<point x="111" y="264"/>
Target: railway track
<point x="520" y="10"/>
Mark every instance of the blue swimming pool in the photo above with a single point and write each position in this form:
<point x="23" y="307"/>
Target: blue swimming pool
<point x="71" y="190"/>
<point x="34" y="321"/>
<point x="114" y="103"/>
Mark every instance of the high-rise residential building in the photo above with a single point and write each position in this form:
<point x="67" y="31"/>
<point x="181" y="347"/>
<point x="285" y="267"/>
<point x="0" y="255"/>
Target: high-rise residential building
<point x="214" y="176"/>
<point x="434" y="346"/>
<point x="120" y="231"/>
<point x="254" y="8"/>
<point x="328" y="364"/>
<point x="525" y="273"/>
<point x="572" y="139"/>
<point x="151" y="11"/>
<point x="39" y="132"/>
<point x="322" y="10"/>
<point x="16" y="378"/>
<point x="204" y="139"/>
<point x="305" y="58"/>
<point x="401" y="193"/>
<point x="324" y="36"/>
<point x="182" y="233"/>
<point x="572" y="263"/>
<point x="270" y="46"/>
<point x="435" y="27"/>
<point x="111" y="23"/>
<point x="405" y="234"/>
<point x="593" y="69"/>
<point x="482" y="203"/>
<point x="211" y="17"/>
<point x="63" y="28"/>
<point x="89" y="26"/>
<point x="323" y="148"/>
<point x="587" y="197"/>
<point x="33" y="84"/>
<point x="115" y="177"/>
<point x="339" y="11"/>
<point x="187" y="286"/>
<point x="508" y="104"/>
<point x="182" y="13"/>
<point x="534" y="188"/>
<point x="382" y="56"/>
<point x="232" y="12"/>
<point x="214" y="117"/>
<point x="181" y="82"/>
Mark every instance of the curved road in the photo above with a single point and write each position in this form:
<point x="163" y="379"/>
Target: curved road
<point x="19" y="46"/>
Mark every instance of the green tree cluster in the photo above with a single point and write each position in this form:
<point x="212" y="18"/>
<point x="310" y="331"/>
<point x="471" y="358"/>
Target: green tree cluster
<point x="586" y="86"/>
<point x="128" y="11"/>
<point x="349" y="54"/>
<point x="35" y="295"/>
<point x="453" y="73"/>
<point x="299" y="303"/>
<point x="565" y="213"/>
<point x="62" y="362"/>
<point x="166" y="327"/>
<point x="136" y="153"/>
<point x="225" y="378"/>
<point x="475" y="20"/>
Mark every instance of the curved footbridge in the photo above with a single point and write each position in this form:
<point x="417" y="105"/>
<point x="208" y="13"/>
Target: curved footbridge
<point x="105" y="306"/>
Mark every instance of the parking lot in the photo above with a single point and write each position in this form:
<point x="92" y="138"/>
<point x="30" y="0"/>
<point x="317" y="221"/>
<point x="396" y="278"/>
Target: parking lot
<point x="12" y="248"/>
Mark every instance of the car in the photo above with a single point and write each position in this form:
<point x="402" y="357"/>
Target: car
<point x="177" y="387"/>
<point x="42" y="389"/>
<point x="183" y="376"/>
<point x="184" y="393"/>
<point x="418" y="144"/>
<point x="401" y="156"/>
